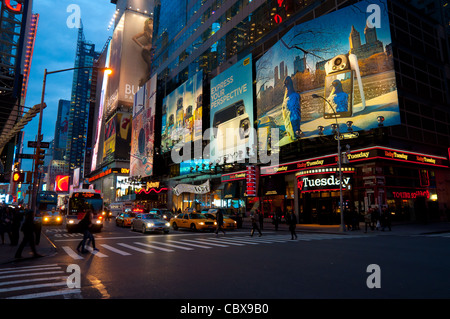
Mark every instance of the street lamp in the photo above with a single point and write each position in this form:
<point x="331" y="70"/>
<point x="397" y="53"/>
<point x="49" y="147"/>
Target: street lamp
<point x="107" y="71"/>
<point x="341" y="206"/>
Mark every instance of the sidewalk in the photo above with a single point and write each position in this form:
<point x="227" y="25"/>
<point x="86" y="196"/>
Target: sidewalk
<point x="400" y="228"/>
<point x="7" y="252"/>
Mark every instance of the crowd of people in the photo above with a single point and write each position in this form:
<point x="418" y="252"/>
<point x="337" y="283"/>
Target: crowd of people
<point x="16" y="219"/>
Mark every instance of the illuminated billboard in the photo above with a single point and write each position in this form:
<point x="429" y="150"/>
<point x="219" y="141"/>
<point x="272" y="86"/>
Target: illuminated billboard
<point x="231" y="113"/>
<point x="143" y="134"/>
<point x="109" y="143"/>
<point x="182" y="114"/>
<point x="325" y="71"/>
<point x="62" y="183"/>
<point x="130" y="59"/>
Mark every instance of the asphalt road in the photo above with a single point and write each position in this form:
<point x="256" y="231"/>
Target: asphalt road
<point x="184" y="265"/>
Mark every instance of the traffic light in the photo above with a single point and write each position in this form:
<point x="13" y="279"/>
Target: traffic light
<point x="41" y="156"/>
<point x="18" y="177"/>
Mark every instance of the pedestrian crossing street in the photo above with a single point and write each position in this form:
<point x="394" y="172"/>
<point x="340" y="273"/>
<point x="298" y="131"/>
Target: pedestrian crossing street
<point x="39" y="281"/>
<point x="170" y="246"/>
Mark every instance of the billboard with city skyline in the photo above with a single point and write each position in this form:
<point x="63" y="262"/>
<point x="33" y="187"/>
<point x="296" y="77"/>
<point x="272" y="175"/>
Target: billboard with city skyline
<point x="182" y="114"/>
<point x="338" y="67"/>
<point x="143" y="130"/>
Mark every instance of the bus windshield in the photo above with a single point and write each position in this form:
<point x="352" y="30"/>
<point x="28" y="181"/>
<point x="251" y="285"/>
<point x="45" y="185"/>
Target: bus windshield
<point x="80" y="202"/>
<point x="46" y="201"/>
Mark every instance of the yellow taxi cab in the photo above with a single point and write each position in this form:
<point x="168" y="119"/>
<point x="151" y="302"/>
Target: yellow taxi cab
<point x="193" y="221"/>
<point x="125" y="219"/>
<point x="228" y="223"/>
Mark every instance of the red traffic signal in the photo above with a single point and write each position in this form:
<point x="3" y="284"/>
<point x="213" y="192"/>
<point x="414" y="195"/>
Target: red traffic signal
<point x="18" y="177"/>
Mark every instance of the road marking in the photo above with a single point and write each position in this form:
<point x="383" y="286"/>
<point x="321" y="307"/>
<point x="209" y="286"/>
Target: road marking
<point x="54" y="284"/>
<point x="212" y="244"/>
<point x="47" y="294"/>
<point x="215" y="240"/>
<point x="95" y="252"/>
<point x="27" y="267"/>
<point x="33" y="274"/>
<point x="154" y="247"/>
<point x="69" y="251"/>
<point x="25" y="270"/>
<point x="120" y="252"/>
<point x="193" y="245"/>
<point x="135" y="248"/>
<point x="176" y="246"/>
<point x="15" y="282"/>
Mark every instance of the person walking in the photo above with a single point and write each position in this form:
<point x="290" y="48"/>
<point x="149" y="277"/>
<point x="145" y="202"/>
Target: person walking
<point x="28" y="230"/>
<point x="255" y="221"/>
<point x="292" y="224"/>
<point x="5" y="223"/>
<point x="386" y="219"/>
<point x="84" y="227"/>
<point x="276" y="217"/>
<point x="219" y="220"/>
<point x="368" y="219"/>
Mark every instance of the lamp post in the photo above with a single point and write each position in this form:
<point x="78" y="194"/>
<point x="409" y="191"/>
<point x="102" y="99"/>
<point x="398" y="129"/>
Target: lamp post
<point x="39" y="137"/>
<point x="341" y="206"/>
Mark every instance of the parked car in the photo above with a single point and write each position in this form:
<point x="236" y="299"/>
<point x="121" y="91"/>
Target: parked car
<point x="149" y="222"/>
<point x="164" y="213"/>
<point x="193" y="221"/>
<point x="228" y="222"/>
<point x="125" y="219"/>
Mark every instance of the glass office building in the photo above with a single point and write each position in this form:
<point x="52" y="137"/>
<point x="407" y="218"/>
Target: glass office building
<point x="400" y="162"/>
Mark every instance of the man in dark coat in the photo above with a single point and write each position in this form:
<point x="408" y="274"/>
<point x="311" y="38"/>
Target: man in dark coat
<point x="28" y="230"/>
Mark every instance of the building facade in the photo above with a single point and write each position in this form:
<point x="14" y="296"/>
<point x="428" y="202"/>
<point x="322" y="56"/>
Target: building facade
<point x="398" y="156"/>
<point x="79" y="104"/>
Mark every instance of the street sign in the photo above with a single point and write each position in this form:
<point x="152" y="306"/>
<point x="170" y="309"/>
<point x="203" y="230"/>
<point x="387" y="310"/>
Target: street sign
<point x="33" y="144"/>
<point x="346" y="136"/>
<point x="28" y="156"/>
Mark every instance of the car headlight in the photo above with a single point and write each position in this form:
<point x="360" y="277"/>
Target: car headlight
<point x="168" y="224"/>
<point x="98" y="221"/>
<point x="202" y="223"/>
<point x="215" y="223"/>
<point x="71" y="221"/>
<point x="150" y="224"/>
<point x="58" y="219"/>
<point x="45" y="219"/>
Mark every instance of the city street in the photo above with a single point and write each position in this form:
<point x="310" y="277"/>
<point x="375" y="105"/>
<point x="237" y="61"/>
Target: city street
<point x="195" y="265"/>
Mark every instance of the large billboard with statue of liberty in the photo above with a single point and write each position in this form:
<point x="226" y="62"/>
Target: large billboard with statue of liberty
<point x="337" y="69"/>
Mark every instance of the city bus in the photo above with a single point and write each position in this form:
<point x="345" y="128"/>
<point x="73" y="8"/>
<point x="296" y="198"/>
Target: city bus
<point x="46" y="201"/>
<point x="79" y="203"/>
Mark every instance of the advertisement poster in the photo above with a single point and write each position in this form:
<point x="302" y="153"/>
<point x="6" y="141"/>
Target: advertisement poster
<point x="143" y="135"/>
<point x="317" y="75"/>
<point x="231" y="113"/>
<point x="123" y="136"/>
<point x="109" y="144"/>
<point x="182" y="114"/>
<point x="130" y="59"/>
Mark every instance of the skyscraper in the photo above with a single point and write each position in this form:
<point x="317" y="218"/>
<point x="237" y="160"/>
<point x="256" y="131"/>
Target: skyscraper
<point x="79" y="104"/>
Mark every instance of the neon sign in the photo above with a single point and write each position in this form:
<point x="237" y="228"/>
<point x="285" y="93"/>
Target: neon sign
<point x="17" y="9"/>
<point x="278" y="19"/>
<point x="411" y="195"/>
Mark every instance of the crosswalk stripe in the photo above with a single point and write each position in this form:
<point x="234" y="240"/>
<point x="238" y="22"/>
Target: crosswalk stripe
<point x="47" y="294"/>
<point x="135" y="248"/>
<point x="53" y="284"/>
<point x="212" y="244"/>
<point x="71" y="253"/>
<point x="154" y="247"/>
<point x="95" y="252"/>
<point x="25" y="270"/>
<point x="215" y="240"/>
<point x="15" y="282"/>
<point x="32" y="274"/>
<point x="27" y="267"/>
<point x="120" y="252"/>
<point x="175" y="246"/>
<point x="193" y="245"/>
